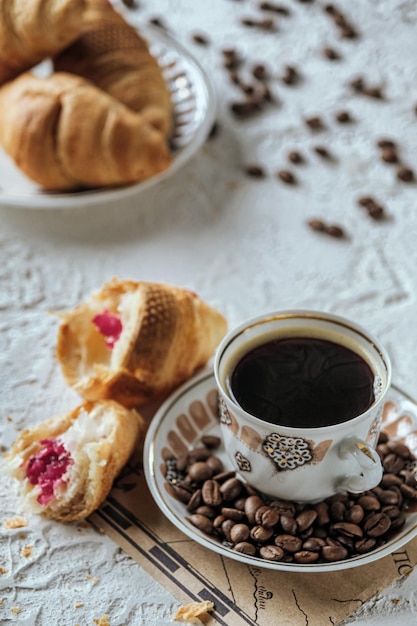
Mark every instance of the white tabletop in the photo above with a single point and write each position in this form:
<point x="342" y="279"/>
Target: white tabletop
<point x="242" y="243"/>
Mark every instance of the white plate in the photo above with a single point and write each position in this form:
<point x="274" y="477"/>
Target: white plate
<point x="192" y="411"/>
<point x="194" y="114"/>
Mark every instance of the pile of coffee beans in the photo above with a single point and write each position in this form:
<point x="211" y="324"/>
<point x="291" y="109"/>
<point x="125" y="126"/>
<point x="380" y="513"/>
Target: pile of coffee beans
<point x="219" y="504"/>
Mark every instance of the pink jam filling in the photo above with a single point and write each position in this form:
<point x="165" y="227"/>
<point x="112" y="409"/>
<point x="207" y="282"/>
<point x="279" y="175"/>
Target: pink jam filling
<point x="47" y="468"/>
<point x="110" y="326"/>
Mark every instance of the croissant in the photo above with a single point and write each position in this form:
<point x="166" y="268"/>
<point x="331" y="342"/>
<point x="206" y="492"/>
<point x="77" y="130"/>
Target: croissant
<point x="111" y="54"/>
<point x="136" y="341"/>
<point x="65" y="133"/>
<point x="32" y="30"/>
<point x="66" y="465"/>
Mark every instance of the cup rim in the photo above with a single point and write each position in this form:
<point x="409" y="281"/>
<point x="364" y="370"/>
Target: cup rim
<point x="310" y="314"/>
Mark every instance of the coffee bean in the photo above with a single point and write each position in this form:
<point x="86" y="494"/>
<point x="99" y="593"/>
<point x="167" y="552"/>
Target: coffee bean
<point x="239" y="532"/>
<point x="393" y="463"/>
<point x="201" y="522"/>
<point x="201" y="39"/>
<point x="260" y="534"/>
<point x="244" y="547"/>
<point x="322" y="152"/>
<point x="215" y="464"/>
<point x="271" y="553"/>
<point x="389" y="155"/>
<point x="255" y="171"/>
<point x="369" y="503"/>
<point x="252" y="504"/>
<point x="316" y="224"/>
<point x="400" y="449"/>
<point x="233" y="514"/>
<point x="314" y="544"/>
<point x="335" y="231"/>
<point x="260" y="72"/>
<point x="195" y="501"/>
<point x="267" y="516"/>
<point x="343" y="117"/>
<point x="211" y="493"/>
<point x="200" y="471"/>
<point x="231" y="489"/>
<point x="331" y="54"/>
<point x="289" y="543"/>
<point x="288" y="524"/>
<point x="334" y="553"/>
<point x="226" y="528"/>
<point x="366" y="544"/>
<point x="211" y="441"/>
<point x="377" y="524"/>
<point x="287" y="177"/>
<point x="290" y="75"/>
<point x="295" y="157"/>
<point x="305" y="519"/>
<point x="348" y="529"/>
<point x="355" y="514"/>
<point x="315" y="123"/>
<point x="198" y="454"/>
<point x="275" y="8"/>
<point x="306" y="556"/>
<point x="245" y="109"/>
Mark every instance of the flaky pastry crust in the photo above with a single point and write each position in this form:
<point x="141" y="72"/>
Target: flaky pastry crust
<point x="167" y="334"/>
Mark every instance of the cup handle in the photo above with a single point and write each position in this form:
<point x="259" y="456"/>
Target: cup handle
<point x="369" y="463"/>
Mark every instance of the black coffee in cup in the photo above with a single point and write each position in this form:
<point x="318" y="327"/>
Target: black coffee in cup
<point x="302" y="382"/>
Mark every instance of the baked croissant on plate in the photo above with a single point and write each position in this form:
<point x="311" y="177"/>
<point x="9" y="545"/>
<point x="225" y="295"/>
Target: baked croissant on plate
<point x="32" y="30"/>
<point x="65" y="133"/>
<point x="67" y="465"/>
<point x="136" y="341"/>
<point x="111" y="54"/>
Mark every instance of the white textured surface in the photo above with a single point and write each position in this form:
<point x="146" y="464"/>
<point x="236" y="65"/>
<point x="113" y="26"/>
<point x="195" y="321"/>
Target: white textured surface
<point x="241" y="243"/>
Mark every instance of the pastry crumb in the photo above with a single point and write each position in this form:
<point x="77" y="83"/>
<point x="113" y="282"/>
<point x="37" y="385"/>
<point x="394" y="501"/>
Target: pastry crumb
<point x="78" y="605"/>
<point x="26" y="551"/>
<point x="15" y="610"/>
<point x="15" y="522"/>
<point x="103" y="621"/>
<point x="189" y="612"/>
<point x="95" y="580"/>
<point x="3" y="570"/>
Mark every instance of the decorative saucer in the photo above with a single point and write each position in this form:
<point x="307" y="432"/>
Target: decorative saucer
<point x="191" y="412"/>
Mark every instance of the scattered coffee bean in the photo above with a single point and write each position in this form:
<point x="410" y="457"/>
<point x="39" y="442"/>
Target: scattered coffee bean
<point x="255" y="171"/>
<point x="389" y="155"/>
<point x="322" y="152"/>
<point x="130" y="4"/>
<point x="335" y="529"/>
<point x="343" y="117"/>
<point x="405" y="174"/>
<point x="245" y="109"/>
<point x="315" y="122"/>
<point x="346" y="29"/>
<point x="332" y="230"/>
<point x="316" y="224"/>
<point x="259" y="72"/>
<point x="374" y="209"/>
<point x="374" y="92"/>
<point x="295" y="157"/>
<point x="287" y="177"/>
<point x="331" y="54"/>
<point x="211" y="441"/>
<point x="275" y="8"/>
<point x="201" y="39"/>
<point x="265" y="24"/>
<point x="357" y="84"/>
<point x="158" y="22"/>
<point x="290" y="75"/>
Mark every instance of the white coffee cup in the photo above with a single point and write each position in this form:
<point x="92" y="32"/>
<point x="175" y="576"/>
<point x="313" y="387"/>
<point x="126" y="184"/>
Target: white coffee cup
<point x="308" y="463"/>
